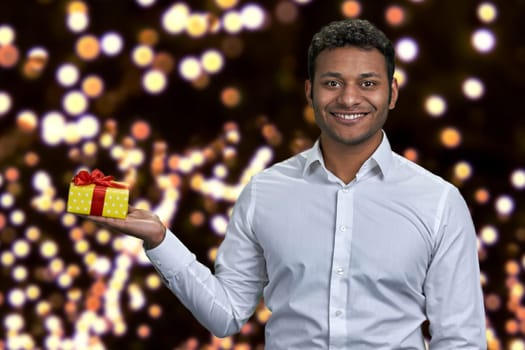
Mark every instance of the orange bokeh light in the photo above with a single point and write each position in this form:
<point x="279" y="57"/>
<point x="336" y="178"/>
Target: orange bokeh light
<point x="395" y="15"/>
<point x="231" y="97"/>
<point x="351" y="8"/>
<point x="12" y="174"/>
<point x="9" y="56"/>
<point x="140" y="130"/>
<point x="88" y="47"/>
<point x="482" y="196"/>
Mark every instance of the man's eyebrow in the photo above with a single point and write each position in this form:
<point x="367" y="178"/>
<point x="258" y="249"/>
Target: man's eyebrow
<point x="331" y="74"/>
<point x="370" y="75"/>
<point x="339" y="75"/>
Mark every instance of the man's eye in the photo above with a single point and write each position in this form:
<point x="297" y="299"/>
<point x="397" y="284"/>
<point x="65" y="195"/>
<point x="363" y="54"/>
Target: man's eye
<point x="368" y="83"/>
<point x="332" y="83"/>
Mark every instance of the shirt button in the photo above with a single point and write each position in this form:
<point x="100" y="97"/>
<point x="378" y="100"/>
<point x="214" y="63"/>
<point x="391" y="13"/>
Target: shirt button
<point x="342" y="228"/>
<point x="338" y="313"/>
<point x="345" y="190"/>
<point x="339" y="270"/>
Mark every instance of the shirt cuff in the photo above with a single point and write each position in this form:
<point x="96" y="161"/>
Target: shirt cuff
<point x="171" y="256"/>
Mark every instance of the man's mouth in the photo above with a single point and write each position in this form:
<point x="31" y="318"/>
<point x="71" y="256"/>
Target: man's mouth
<point x="349" y="116"/>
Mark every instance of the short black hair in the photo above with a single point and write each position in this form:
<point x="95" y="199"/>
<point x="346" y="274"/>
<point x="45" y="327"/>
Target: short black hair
<point x="351" y="32"/>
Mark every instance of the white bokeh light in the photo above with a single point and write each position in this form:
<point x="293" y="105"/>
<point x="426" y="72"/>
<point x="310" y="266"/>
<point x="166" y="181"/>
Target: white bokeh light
<point x="435" y="105"/>
<point x="75" y="102"/>
<point x="253" y="16"/>
<point x="111" y="43"/>
<point x="232" y="22"/>
<point x="407" y="49"/>
<point x="77" y="22"/>
<point x="53" y="128"/>
<point x="146" y="3"/>
<point x="517" y="179"/>
<point x="190" y="68"/>
<point x="488" y="235"/>
<point x="5" y="103"/>
<point x="473" y="88"/>
<point x="483" y="40"/>
<point x="154" y="81"/>
<point x="88" y="126"/>
<point x="7" y="35"/>
<point x="504" y="205"/>
<point x="175" y="18"/>
<point x="67" y="74"/>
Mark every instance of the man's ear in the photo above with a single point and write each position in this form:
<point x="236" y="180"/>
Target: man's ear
<point x="308" y="91"/>
<point x="394" y="93"/>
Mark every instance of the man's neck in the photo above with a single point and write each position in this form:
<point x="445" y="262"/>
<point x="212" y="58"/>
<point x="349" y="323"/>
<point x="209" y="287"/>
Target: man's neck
<point x="344" y="161"/>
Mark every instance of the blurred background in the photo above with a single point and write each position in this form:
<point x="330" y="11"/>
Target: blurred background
<point x="185" y="101"/>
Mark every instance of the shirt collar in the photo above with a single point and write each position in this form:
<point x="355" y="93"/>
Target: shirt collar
<point x="382" y="158"/>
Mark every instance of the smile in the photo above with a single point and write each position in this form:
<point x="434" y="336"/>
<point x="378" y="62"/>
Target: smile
<point x="351" y="116"/>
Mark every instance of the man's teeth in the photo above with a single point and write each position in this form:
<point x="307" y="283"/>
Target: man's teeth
<point x="350" y="116"/>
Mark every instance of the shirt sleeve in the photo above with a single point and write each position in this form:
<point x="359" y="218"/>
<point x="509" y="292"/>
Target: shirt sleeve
<point x="453" y="290"/>
<point x="224" y="301"/>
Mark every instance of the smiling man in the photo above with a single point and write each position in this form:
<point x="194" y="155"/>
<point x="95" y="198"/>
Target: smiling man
<point x="351" y="93"/>
<point x="351" y="245"/>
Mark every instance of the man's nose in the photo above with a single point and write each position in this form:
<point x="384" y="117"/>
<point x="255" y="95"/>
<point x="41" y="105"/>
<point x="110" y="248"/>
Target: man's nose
<point x="350" y="95"/>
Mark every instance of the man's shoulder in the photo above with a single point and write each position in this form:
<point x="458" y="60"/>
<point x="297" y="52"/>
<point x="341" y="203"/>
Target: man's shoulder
<point x="292" y="166"/>
<point x="417" y="174"/>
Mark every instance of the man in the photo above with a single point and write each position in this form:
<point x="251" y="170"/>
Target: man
<point x="351" y="245"/>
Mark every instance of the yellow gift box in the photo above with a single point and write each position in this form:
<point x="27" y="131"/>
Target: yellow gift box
<point x="97" y="194"/>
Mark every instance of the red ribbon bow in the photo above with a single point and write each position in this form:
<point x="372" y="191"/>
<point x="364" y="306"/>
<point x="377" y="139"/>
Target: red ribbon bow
<point x="96" y="177"/>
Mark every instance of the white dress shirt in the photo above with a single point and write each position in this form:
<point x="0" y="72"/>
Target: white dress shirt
<point x="341" y="266"/>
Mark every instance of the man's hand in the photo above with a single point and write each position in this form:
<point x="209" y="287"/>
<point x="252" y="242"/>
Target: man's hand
<point x="139" y="223"/>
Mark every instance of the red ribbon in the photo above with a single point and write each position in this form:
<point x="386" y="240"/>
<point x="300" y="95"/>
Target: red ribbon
<point x="101" y="182"/>
<point x="96" y="177"/>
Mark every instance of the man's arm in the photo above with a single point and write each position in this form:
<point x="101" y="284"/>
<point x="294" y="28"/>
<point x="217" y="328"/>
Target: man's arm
<point x="452" y="287"/>
<point x="222" y="302"/>
<point x="139" y="223"/>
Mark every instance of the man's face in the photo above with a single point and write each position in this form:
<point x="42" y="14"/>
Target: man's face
<point x="350" y="95"/>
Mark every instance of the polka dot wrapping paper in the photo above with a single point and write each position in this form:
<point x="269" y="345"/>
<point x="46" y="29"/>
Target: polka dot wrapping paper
<point x="96" y="194"/>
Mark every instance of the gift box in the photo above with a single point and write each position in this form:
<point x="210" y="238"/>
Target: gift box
<point x="97" y="194"/>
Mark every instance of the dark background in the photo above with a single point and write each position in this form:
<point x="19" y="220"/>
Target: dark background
<point x="269" y="72"/>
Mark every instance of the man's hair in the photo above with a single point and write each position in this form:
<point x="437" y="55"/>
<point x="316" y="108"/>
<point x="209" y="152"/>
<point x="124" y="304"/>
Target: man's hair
<point x="351" y="32"/>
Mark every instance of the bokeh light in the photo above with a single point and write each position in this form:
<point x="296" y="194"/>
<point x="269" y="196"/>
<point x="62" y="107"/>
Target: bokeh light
<point x="68" y="74"/>
<point x="435" y="105"/>
<point x="504" y="205"/>
<point x="395" y="15"/>
<point x="483" y="40"/>
<point x="190" y="68"/>
<point x="473" y="88"/>
<point x="111" y="43"/>
<point x="174" y="20"/>
<point x="187" y="101"/>
<point x="7" y="34"/>
<point x="518" y="179"/>
<point x="88" y="47"/>
<point x="253" y="16"/>
<point x="487" y="12"/>
<point x="450" y="137"/>
<point x="351" y="8"/>
<point x="407" y="49"/>
<point x="154" y="81"/>
<point x="5" y="103"/>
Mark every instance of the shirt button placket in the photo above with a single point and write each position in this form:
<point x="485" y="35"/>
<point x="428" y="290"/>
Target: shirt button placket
<point x="341" y="261"/>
